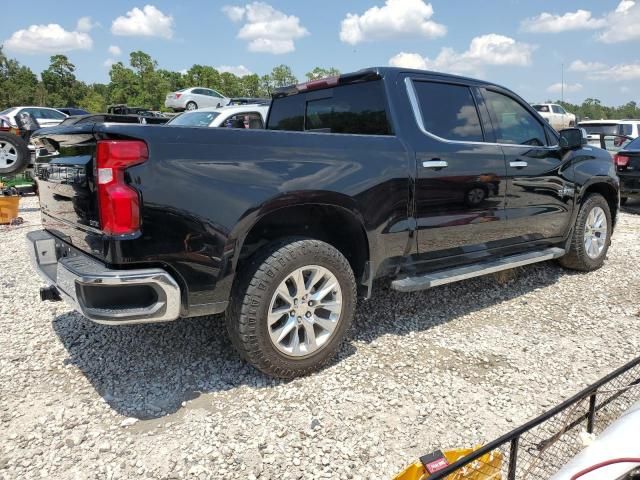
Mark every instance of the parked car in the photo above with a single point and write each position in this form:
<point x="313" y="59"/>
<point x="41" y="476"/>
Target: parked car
<point x="37" y="117"/>
<point x="194" y="98"/>
<point x="244" y="116"/>
<point x="557" y="116"/>
<point x="595" y="128"/>
<point x="355" y="178"/>
<point x="46" y="117"/>
<point x="627" y="163"/>
<point x="72" y="111"/>
<point x="629" y="128"/>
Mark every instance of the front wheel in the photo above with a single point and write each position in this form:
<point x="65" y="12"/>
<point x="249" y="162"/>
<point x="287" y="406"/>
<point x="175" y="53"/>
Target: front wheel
<point x="292" y="306"/>
<point x="591" y="235"/>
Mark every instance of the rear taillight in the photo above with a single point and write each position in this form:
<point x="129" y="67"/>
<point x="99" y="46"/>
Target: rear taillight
<point x="118" y="203"/>
<point x="178" y="95"/>
<point x="621" y="161"/>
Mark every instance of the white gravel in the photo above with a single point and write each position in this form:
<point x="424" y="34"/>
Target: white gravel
<point x="454" y="366"/>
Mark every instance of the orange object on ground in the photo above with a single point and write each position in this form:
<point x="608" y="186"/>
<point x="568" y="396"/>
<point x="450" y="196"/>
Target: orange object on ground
<point x="487" y="467"/>
<point x="8" y="208"/>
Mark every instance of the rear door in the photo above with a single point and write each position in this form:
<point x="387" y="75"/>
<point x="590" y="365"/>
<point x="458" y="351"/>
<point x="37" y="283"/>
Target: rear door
<point x="460" y="185"/>
<point x="539" y="198"/>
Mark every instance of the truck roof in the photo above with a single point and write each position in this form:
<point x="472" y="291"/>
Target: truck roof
<point x="367" y="74"/>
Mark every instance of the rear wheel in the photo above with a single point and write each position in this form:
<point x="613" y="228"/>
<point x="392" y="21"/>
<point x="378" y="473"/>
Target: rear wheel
<point x="14" y="154"/>
<point x="591" y="235"/>
<point x="192" y="106"/>
<point x="292" y="306"/>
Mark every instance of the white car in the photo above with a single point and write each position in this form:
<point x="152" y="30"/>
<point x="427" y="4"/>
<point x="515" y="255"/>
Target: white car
<point x="557" y="116"/>
<point x="240" y="116"/>
<point x="46" y="117"/>
<point x="596" y="127"/>
<point x="629" y="128"/>
<point x="195" y="98"/>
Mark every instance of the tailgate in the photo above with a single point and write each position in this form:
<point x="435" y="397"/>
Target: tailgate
<point x="64" y="171"/>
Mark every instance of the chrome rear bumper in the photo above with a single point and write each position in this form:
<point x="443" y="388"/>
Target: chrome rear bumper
<point x="104" y="295"/>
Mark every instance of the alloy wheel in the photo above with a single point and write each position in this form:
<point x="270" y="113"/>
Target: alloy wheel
<point x="304" y="311"/>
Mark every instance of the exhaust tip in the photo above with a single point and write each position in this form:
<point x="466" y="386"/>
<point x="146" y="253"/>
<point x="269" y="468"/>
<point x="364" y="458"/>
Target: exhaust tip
<point x="50" y="294"/>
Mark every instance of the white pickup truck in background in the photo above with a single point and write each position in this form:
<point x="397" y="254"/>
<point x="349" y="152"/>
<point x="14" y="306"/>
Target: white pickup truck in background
<point x="557" y="116"/>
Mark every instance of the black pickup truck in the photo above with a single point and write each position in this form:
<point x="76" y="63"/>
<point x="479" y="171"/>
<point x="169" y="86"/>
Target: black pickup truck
<point x="421" y="177"/>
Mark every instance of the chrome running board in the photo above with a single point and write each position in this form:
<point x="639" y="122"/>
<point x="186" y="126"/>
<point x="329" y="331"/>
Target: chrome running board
<point x="433" y="279"/>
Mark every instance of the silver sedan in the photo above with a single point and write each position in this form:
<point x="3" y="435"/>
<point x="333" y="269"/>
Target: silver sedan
<point x="194" y="98"/>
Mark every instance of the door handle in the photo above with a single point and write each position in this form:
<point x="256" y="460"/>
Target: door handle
<point x="435" y="163"/>
<point x="518" y="164"/>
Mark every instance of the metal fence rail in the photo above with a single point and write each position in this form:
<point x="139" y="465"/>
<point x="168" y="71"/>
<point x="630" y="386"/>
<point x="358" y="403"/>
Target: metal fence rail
<point x="540" y="447"/>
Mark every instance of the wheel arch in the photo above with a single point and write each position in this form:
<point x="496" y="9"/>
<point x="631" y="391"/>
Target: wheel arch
<point x="339" y="225"/>
<point x="608" y="191"/>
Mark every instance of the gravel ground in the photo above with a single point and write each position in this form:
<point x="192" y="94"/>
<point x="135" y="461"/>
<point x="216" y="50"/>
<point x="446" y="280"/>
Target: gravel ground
<point x="454" y="366"/>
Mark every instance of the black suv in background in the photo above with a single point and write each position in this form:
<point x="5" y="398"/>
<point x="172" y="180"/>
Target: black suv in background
<point x="421" y="177"/>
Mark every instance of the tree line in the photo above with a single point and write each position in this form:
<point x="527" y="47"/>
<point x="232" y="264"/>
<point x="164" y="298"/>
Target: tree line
<point x="141" y="83"/>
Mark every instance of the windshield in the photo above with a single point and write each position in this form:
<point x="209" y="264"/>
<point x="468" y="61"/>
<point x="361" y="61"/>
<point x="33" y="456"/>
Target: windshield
<point x="541" y="108"/>
<point x="596" y="128"/>
<point x="193" y="119"/>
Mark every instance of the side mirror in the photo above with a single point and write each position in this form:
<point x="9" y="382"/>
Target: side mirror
<point x="572" y="138"/>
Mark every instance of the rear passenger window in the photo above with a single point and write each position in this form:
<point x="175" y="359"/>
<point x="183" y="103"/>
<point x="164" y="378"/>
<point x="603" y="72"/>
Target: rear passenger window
<point x="449" y="111"/>
<point x="349" y="109"/>
<point x="513" y="124"/>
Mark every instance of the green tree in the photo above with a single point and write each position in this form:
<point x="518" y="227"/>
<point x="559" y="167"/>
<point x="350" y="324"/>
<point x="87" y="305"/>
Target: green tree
<point x="18" y="84"/>
<point x="93" y="100"/>
<point x="60" y="83"/>
<point x="282" y="76"/>
<point x="320" y="72"/>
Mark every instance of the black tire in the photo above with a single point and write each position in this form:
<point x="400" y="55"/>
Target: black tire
<point x="624" y="200"/>
<point x="572" y="124"/>
<point x="254" y="288"/>
<point x="17" y="147"/>
<point x="577" y="257"/>
<point x="194" y="106"/>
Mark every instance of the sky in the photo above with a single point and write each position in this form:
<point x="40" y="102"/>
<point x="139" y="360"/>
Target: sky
<point x="521" y="44"/>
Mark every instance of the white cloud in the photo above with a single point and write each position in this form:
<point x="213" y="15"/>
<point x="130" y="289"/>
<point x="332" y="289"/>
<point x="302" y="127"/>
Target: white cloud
<point x="234" y="13"/>
<point x="85" y="24"/>
<point x="239" y="70"/>
<point x="50" y="38"/>
<point x="115" y="51"/>
<point x="580" y="66"/>
<point x="485" y="50"/>
<point x="148" y="22"/>
<point x="395" y="19"/>
<point x="568" y="87"/>
<point x="553" y="23"/>
<point x="622" y="23"/>
<point x="617" y="73"/>
<point x="409" y="60"/>
<point x="266" y="29"/>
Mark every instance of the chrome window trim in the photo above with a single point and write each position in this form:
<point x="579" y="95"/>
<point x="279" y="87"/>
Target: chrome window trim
<point x="415" y="106"/>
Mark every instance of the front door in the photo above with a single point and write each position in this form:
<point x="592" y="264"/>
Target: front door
<point x="540" y="194"/>
<point x="461" y="177"/>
